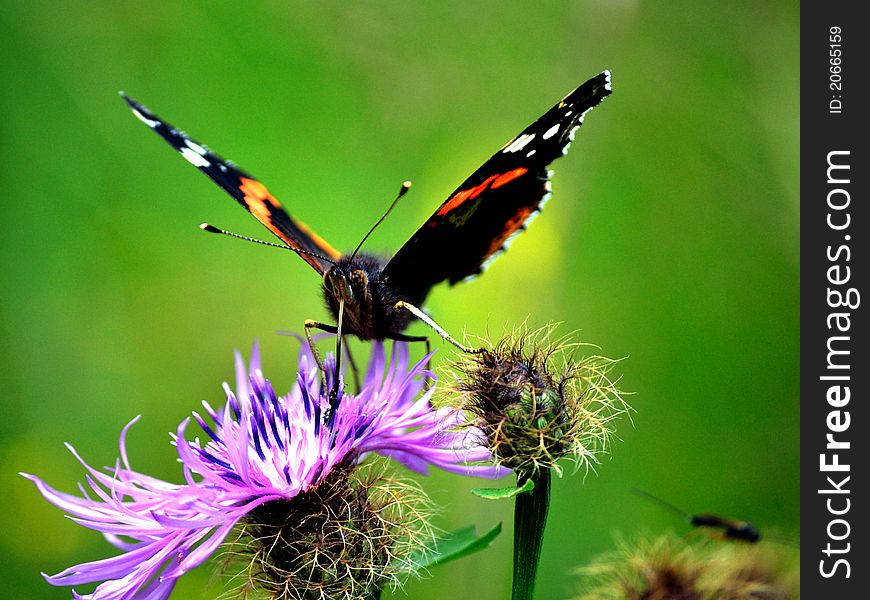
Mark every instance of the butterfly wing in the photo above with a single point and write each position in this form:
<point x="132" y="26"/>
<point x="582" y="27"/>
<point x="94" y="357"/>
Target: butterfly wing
<point x="479" y="219"/>
<point x="247" y="191"/>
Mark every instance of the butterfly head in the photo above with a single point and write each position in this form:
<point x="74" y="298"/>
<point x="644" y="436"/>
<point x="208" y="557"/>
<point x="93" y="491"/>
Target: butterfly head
<point x="353" y="286"/>
<point x="346" y="282"/>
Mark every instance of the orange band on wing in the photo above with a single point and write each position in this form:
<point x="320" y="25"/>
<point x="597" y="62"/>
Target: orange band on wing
<point x="510" y="227"/>
<point x="463" y="195"/>
<point x="492" y="181"/>
<point x="509" y="176"/>
<point x="256" y="197"/>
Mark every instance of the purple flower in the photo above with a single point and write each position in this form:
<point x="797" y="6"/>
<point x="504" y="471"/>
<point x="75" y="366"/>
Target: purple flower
<point x="261" y="448"/>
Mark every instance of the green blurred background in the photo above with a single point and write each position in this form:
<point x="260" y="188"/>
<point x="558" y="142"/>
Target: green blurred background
<point x="672" y="237"/>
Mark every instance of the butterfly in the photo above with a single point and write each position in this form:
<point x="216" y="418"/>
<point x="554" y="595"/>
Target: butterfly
<point x="371" y="298"/>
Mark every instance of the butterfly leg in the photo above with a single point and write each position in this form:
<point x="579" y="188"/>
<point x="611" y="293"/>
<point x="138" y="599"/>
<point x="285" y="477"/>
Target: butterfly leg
<point x="401" y="337"/>
<point x="333" y="392"/>
<point x="401" y="304"/>
<point x="308" y="326"/>
<point x="312" y="324"/>
<point x="336" y="329"/>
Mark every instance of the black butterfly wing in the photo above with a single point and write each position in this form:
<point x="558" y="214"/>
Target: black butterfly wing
<point x="247" y="190"/>
<point x="479" y="219"/>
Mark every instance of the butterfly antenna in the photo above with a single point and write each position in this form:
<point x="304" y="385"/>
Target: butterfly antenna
<point x="404" y="190"/>
<point x="213" y="229"/>
<point x="663" y="503"/>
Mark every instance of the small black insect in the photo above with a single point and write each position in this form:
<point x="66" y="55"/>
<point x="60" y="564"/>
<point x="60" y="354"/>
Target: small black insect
<point x="731" y="529"/>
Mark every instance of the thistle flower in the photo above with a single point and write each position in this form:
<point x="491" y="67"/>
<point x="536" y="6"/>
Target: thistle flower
<point x="672" y="568"/>
<point x="532" y="413"/>
<point x="535" y="404"/>
<point x="266" y="454"/>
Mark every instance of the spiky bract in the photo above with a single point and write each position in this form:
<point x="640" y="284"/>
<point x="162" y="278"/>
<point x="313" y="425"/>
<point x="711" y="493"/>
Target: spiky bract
<point x="535" y="402"/>
<point x="346" y="538"/>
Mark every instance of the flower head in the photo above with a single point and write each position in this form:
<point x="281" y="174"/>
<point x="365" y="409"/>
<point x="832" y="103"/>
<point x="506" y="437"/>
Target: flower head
<point x="673" y="568"/>
<point x="534" y="403"/>
<point x="352" y="534"/>
<point x="262" y="449"/>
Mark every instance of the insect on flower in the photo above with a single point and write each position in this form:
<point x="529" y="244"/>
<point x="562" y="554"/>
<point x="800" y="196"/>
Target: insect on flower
<point x="373" y="299"/>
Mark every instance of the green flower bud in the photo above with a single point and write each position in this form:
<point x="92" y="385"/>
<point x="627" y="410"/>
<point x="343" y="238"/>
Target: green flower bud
<point x="534" y="402"/>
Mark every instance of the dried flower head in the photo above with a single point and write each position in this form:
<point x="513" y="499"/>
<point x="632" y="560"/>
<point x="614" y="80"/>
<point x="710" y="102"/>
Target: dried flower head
<point x="269" y="455"/>
<point x="351" y="535"/>
<point x="535" y="403"/>
<point x="671" y="568"/>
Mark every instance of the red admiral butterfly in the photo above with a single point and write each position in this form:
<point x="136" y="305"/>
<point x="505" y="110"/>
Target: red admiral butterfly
<point x="373" y="299"/>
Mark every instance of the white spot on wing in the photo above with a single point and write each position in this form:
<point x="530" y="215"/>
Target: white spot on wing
<point x="149" y="122"/>
<point x="551" y="132"/>
<point x="607" y="84"/>
<point x="571" y="134"/>
<point x="517" y="231"/>
<point x="197" y="160"/>
<point x="532" y="217"/>
<point x="195" y="147"/>
<point x="532" y="151"/>
<point x="485" y="265"/>
<point x="519" y="143"/>
<point x="574" y="129"/>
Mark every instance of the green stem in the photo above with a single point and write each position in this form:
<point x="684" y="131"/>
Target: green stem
<point x="530" y="518"/>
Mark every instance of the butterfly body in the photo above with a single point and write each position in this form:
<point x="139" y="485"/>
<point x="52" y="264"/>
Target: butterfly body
<point x="366" y="294"/>
<point x="369" y="298"/>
